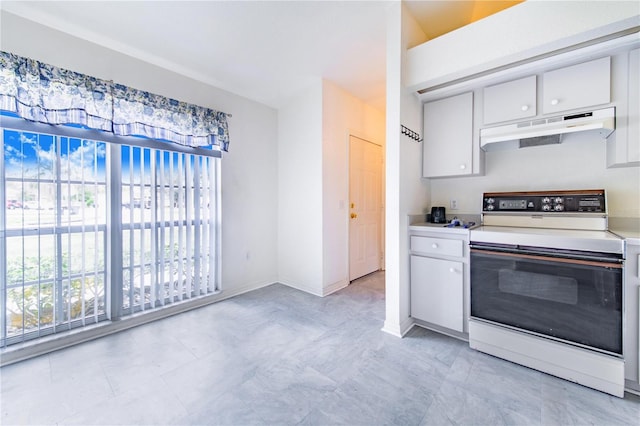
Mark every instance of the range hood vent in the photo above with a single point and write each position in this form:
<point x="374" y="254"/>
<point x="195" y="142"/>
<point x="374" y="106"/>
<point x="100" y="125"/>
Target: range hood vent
<point x="547" y="131"/>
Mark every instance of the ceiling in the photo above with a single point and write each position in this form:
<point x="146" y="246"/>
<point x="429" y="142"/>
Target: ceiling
<point x="262" y="50"/>
<point x="438" y="17"/>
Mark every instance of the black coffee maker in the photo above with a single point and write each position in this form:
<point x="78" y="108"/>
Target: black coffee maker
<point x="438" y="215"/>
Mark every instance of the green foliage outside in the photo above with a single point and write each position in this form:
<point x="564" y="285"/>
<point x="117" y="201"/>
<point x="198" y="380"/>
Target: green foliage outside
<point x="33" y="306"/>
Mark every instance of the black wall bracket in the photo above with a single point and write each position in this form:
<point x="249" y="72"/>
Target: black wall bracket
<point x="410" y="133"/>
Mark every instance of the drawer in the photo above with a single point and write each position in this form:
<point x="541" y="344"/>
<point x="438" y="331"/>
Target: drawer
<point x="439" y="246"/>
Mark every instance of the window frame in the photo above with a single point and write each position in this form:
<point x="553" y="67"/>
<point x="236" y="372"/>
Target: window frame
<point x="113" y="230"/>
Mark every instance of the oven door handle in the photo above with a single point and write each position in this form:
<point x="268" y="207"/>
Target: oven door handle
<point x="522" y="254"/>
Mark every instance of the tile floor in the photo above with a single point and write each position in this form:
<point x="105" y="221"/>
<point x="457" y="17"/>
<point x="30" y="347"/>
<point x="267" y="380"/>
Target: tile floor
<point x="278" y="356"/>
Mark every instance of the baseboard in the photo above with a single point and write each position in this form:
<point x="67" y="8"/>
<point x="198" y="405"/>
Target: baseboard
<point x="442" y="330"/>
<point x="339" y="285"/>
<point x="398" y="330"/>
<point x="304" y="288"/>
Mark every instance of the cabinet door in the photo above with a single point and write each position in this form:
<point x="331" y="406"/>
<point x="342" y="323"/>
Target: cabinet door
<point x="633" y="134"/>
<point x="436" y="291"/>
<point x="632" y="313"/>
<point x="577" y="86"/>
<point x="510" y="101"/>
<point x="448" y="136"/>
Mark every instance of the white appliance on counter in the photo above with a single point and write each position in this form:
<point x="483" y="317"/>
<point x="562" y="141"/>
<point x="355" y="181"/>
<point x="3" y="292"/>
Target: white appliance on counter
<point x="547" y="285"/>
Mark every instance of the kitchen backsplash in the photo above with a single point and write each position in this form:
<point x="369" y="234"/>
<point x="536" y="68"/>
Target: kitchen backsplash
<point x="577" y="163"/>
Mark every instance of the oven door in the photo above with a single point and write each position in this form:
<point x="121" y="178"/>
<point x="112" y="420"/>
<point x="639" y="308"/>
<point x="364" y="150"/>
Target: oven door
<point x="571" y="296"/>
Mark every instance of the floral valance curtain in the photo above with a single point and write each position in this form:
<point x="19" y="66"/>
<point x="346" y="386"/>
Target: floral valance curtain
<point x="47" y="94"/>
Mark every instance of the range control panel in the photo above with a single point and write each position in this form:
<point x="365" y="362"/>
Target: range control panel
<point x="584" y="201"/>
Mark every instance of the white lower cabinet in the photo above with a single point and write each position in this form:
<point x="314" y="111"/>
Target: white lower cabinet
<point x="632" y="315"/>
<point x="437" y="291"/>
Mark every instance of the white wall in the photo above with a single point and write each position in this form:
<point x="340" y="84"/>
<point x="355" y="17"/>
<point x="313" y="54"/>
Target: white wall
<point x="300" y="195"/>
<point x="343" y="115"/>
<point x="249" y="169"/>
<point x="406" y="193"/>
<point x="577" y="163"/>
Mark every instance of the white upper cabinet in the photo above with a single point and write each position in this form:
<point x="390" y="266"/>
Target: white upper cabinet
<point x="448" y="137"/>
<point x="512" y="100"/>
<point x="577" y="86"/>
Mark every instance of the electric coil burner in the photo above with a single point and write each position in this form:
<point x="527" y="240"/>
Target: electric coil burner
<point x="546" y="285"/>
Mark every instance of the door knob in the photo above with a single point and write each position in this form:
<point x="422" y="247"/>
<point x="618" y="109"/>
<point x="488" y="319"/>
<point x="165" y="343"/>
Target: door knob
<point x="353" y="215"/>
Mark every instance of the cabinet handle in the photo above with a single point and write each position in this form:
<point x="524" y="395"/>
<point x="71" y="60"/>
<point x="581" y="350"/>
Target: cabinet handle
<point x="463" y="166"/>
<point x="434" y="245"/>
<point x="554" y="102"/>
<point x="452" y="270"/>
<point x="525" y="107"/>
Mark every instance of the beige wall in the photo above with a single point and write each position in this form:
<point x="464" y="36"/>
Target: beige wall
<point x="343" y="115"/>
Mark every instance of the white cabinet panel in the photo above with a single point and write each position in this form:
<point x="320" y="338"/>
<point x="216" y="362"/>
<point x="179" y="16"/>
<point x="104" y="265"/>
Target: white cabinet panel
<point x="632" y="314"/>
<point x="577" y="86"/>
<point x="633" y="135"/>
<point x="510" y="101"/>
<point x="623" y="146"/>
<point x="437" y="291"/>
<point x="448" y="137"/>
<point x="439" y="246"/>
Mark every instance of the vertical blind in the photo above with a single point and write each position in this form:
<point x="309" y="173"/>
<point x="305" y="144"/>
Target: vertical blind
<point x="169" y="226"/>
<point x="55" y="241"/>
<point x="54" y="234"/>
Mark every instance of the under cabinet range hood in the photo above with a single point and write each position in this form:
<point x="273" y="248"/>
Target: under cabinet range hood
<point x="544" y="131"/>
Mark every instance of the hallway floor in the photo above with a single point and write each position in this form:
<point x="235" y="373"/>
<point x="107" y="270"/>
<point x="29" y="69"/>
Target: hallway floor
<point x="278" y="356"/>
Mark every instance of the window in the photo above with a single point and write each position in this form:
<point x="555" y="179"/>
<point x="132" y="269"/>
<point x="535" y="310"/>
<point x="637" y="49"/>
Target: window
<point x="169" y="227"/>
<point x="54" y="226"/>
<point x="98" y="221"/>
<point x="95" y="230"/>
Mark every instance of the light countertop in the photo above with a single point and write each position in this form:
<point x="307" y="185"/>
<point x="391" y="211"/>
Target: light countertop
<point x="438" y="227"/>
<point x="627" y="228"/>
<point x="419" y="223"/>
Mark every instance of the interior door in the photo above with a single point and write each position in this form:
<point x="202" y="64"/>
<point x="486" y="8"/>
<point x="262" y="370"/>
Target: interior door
<point x="365" y="207"/>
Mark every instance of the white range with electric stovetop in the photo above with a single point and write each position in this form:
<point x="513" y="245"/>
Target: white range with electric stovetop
<point x="547" y="285"/>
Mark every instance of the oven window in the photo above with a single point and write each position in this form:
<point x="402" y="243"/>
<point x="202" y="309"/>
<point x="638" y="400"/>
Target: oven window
<point x="574" y="301"/>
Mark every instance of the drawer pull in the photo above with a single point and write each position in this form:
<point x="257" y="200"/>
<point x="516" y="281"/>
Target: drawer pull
<point x="434" y="245"/>
<point x="452" y="270"/>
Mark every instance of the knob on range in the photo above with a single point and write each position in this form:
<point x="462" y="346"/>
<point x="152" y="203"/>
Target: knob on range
<point x="489" y="204"/>
<point x="558" y="207"/>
